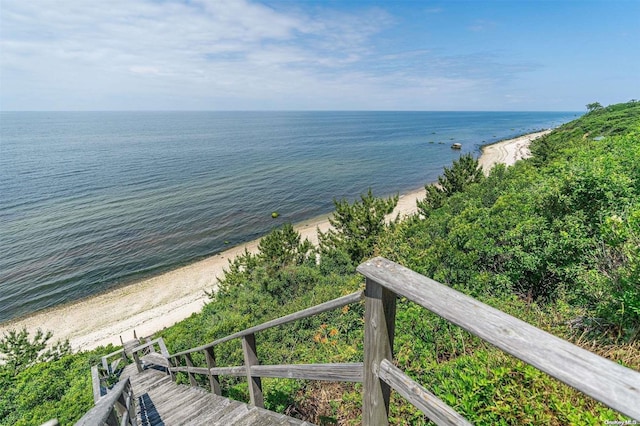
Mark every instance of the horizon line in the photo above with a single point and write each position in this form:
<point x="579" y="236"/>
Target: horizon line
<point x="287" y="110"/>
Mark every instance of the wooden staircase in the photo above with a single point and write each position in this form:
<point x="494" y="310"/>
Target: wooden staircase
<point x="160" y="401"/>
<point x="147" y="395"/>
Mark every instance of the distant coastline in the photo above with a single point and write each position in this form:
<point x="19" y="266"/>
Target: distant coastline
<point x="152" y="304"/>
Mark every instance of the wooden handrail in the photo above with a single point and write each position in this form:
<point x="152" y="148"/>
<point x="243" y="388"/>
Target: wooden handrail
<point x="436" y="409"/>
<point x="614" y="385"/>
<point x="116" y="407"/>
<point x="96" y="383"/>
<point x="342" y="372"/>
<point x="251" y="368"/>
<point x="151" y="344"/>
<point x="606" y="381"/>
<point x="149" y="347"/>
<point x="109" y="367"/>
<point x="305" y="313"/>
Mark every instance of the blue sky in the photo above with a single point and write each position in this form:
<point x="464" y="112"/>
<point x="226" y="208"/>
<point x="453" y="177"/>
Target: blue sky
<point x="317" y="55"/>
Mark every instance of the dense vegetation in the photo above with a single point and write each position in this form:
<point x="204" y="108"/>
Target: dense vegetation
<point x="553" y="240"/>
<point x="40" y="381"/>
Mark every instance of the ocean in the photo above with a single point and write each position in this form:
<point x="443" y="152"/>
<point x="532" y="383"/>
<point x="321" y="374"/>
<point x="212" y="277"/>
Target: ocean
<point x="93" y="200"/>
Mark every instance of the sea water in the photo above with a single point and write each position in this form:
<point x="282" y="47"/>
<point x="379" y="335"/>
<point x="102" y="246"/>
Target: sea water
<point x="92" y="200"/>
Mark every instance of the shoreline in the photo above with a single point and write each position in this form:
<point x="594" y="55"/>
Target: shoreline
<point x="152" y="304"/>
<point x="508" y="151"/>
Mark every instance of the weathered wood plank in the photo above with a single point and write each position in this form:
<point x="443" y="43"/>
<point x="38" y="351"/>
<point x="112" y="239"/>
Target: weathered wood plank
<point x="95" y="382"/>
<point x="434" y="408"/>
<point x="163" y="348"/>
<point x="351" y="372"/>
<point x="156" y="359"/>
<point x="165" y="402"/>
<point x="602" y="379"/>
<point x="172" y="363"/>
<point x="151" y="348"/>
<point x="129" y="416"/>
<point x="238" y="371"/>
<point x="136" y="360"/>
<point x="250" y="359"/>
<point x="189" y="361"/>
<point x="105" y="359"/>
<point x="214" y="382"/>
<point x="103" y="408"/>
<point x="129" y="345"/>
<point x="199" y="370"/>
<point x="305" y="313"/>
<point x="147" y="345"/>
<point x="379" y="327"/>
<point x="121" y="407"/>
<point x="348" y="372"/>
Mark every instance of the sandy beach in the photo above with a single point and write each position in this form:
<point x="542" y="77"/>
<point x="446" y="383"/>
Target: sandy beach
<point x="509" y="151"/>
<point x="161" y="301"/>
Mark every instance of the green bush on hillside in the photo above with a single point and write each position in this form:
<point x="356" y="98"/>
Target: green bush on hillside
<point x="19" y="351"/>
<point x="357" y="226"/>
<point x="58" y="388"/>
<point x="464" y="172"/>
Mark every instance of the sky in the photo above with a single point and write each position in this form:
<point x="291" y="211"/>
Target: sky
<point x="519" y="55"/>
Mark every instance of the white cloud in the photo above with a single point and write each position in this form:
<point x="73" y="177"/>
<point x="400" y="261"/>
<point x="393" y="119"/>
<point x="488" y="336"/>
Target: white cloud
<point x="212" y="54"/>
<point x="145" y="70"/>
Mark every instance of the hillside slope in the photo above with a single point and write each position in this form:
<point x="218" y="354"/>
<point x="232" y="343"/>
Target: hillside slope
<point x="552" y="240"/>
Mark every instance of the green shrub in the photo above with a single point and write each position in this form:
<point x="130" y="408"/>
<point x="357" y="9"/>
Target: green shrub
<point x="357" y="226"/>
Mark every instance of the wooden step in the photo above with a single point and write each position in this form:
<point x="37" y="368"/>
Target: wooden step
<point x="129" y="345"/>
<point x="160" y="401"/>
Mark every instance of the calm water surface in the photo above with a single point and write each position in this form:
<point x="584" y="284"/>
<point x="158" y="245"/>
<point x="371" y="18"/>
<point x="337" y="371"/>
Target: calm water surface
<point x="91" y="200"/>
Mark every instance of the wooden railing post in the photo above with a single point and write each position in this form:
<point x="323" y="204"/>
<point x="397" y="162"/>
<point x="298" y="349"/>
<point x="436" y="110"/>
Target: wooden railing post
<point x="96" y="383"/>
<point x="173" y="362"/>
<point x="113" y="419"/>
<point x="213" y="378"/>
<point x="120" y="407"/>
<point x="136" y="359"/>
<point x="379" y="327"/>
<point x="163" y="348"/>
<point x="131" y="406"/>
<point x="251" y="359"/>
<point x="105" y="365"/>
<point x="192" y="380"/>
<point x="152" y="349"/>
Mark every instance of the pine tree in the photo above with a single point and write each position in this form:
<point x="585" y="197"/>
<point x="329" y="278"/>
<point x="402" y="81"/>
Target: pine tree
<point x="464" y="172"/>
<point x="19" y="351"/>
<point x="357" y="226"/>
